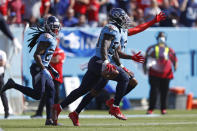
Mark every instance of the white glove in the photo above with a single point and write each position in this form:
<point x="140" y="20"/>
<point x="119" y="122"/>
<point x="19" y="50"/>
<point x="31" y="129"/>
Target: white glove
<point x="17" y="45"/>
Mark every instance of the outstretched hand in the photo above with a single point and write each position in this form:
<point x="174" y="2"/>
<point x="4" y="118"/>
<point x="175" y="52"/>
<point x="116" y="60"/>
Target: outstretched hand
<point x="160" y="17"/>
<point x="138" y="57"/>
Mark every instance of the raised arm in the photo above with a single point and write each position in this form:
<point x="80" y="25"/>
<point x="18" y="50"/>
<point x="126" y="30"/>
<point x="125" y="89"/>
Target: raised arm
<point x="132" y="31"/>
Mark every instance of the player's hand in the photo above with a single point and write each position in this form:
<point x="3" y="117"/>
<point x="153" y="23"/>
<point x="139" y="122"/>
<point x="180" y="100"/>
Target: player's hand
<point x="160" y="17"/>
<point x="46" y="74"/>
<point x="108" y="66"/>
<point x="128" y="71"/>
<point x="138" y="57"/>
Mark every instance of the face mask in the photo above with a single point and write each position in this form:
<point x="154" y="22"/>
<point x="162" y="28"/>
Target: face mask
<point x="161" y="40"/>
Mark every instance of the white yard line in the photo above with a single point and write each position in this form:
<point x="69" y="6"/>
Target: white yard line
<point x="103" y="116"/>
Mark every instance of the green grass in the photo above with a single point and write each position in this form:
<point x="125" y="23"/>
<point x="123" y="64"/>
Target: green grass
<point x="175" y="120"/>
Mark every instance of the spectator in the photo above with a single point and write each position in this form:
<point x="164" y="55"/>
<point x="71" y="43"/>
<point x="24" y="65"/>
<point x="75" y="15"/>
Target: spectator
<point x="2" y="70"/>
<point x="3" y="8"/>
<point x="139" y="17"/>
<point x="172" y="13"/>
<point x="159" y="59"/>
<point x="93" y="12"/>
<point x="57" y="63"/>
<point x="80" y="7"/>
<point x="64" y="5"/>
<point x="82" y="22"/>
<point x="188" y="13"/>
<point x="45" y="7"/>
<point x="69" y="20"/>
<point x="125" y="5"/>
<point x="15" y="10"/>
<point x="152" y="11"/>
<point x="32" y="11"/>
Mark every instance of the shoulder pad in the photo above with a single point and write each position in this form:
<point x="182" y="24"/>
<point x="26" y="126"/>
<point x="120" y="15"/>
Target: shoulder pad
<point x="112" y="27"/>
<point x="48" y="36"/>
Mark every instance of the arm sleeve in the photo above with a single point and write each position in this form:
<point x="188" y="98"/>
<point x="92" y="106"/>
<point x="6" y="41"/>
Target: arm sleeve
<point x="140" y="28"/>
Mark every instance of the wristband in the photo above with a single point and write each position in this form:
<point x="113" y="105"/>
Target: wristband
<point x="106" y="62"/>
<point x="121" y="66"/>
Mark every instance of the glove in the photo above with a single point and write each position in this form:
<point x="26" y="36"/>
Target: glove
<point x="54" y="72"/>
<point x="108" y="66"/>
<point x="138" y="57"/>
<point x="17" y="45"/>
<point x="127" y="71"/>
<point x="46" y="74"/>
<point x="160" y="17"/>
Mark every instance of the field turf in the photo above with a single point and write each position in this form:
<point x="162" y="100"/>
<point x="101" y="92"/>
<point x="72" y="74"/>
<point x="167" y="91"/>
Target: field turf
<point x="175" y="120"/>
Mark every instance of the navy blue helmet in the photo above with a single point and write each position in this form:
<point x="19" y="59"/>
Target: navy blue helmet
<point x="119" y="17"/>
<point x="52" y="25"/>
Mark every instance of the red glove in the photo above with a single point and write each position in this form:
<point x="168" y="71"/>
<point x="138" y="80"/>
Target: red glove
<point x="160" y="17"/>
<point x="138" y="57"/>
<point x="110" y="67"/>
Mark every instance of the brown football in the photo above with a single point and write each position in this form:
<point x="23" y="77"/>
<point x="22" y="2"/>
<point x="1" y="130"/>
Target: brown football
<point x="110" y="74"/>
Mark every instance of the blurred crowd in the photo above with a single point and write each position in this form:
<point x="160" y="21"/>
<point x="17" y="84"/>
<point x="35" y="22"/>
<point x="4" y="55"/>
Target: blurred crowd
<point x="93" y="13"/>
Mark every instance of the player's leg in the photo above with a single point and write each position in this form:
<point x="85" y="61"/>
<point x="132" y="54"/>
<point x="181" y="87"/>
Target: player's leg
<point x="132" y="84"/>
<point x="40" y="107"/>
<point x="93" y="93"/>
<point x="122" y="83"/>
<point x="154" y="85"/>
<point x="86" y="100"/>
<point x="4" y="98"/>
<point x="50" y="94"/>
<point x="163" y="94"/>
<point x="57" y="86"/>
<point x="38" y="85"/>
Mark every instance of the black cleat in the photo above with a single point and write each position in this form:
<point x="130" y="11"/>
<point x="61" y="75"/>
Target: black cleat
<point x="10" y="84"/>
<point x="49" y="122"/>
<point x="6" y="115"/>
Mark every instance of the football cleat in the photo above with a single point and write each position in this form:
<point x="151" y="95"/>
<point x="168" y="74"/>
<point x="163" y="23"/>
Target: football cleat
<point x="115" y="111"/>
<point x="163" y="112"/>
<point x="49" y="122"/>
<point x="75" y="118"/>
<point x="56" y="109"/>
<point x="10" y="84"/>
<point x="109" y="103"/>
<point x="149" y="112"/>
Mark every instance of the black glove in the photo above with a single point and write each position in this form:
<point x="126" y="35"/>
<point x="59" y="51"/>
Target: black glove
<point x="54" y="72"/>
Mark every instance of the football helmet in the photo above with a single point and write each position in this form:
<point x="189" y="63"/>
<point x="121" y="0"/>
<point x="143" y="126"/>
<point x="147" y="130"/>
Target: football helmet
<point x="52" y="25"/>
<point x="120" y="18"/>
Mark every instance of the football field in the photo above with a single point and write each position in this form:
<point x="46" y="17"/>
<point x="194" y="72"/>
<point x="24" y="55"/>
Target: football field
<point x="175" y="120"/>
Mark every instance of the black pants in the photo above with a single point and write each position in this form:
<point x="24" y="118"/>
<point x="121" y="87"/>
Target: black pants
<point x="42" y="100"/>
<point x="3" y="96"/>
<point x="161" y="85"/>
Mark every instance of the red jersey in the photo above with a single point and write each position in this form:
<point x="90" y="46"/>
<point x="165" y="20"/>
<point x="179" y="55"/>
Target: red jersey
<point x="4" y="7"/>
<point x="160" y="61"/>
<point x="80" y="8"/>
<point x="44" y="4"/>
<point x="58" y="66"/>
<point x="93" y="10"/>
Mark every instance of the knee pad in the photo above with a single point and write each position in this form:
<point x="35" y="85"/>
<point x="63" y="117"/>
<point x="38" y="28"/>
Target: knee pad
<point x="93" y="92"/>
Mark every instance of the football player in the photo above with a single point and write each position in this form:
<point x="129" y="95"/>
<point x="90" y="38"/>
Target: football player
<point x="45" y="39"/>
<point x="112" y="40"/>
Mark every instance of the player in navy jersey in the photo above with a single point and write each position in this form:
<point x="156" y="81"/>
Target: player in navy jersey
<point x="112" y="40"/>
<point x="45" y="39"/>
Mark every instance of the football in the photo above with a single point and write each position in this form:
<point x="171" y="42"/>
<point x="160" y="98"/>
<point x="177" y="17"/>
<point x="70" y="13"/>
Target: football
<point x="109" y="74"/>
